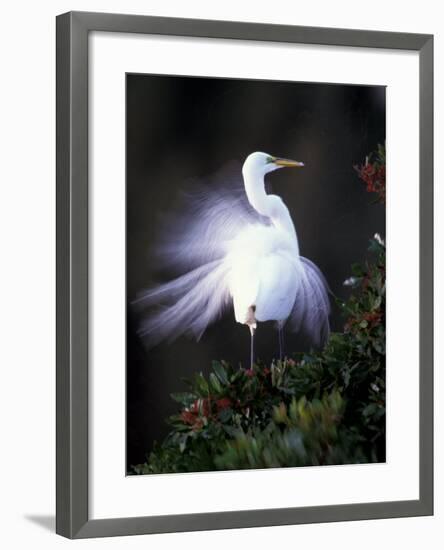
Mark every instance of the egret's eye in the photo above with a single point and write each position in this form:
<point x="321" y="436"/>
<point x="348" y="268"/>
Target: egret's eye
<point x="270" y="159"/>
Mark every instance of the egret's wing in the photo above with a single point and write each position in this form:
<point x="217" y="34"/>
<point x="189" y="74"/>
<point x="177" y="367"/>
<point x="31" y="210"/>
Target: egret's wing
<point x="312" y="306"/>
<point x="208" y="215"/>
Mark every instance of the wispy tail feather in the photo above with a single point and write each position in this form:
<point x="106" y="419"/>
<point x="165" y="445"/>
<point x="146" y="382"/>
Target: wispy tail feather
<point x="311" y="309"/>
<point x="174" y="288"/>
<point x="186" y="305"/>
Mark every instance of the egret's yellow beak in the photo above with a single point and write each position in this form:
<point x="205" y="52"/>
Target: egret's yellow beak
<point x="288" y="163"/>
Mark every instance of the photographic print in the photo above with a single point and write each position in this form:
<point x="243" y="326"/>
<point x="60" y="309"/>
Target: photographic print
<point x="255" y="274"/>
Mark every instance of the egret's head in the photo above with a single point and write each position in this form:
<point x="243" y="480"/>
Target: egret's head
<point x="262" y="163"/>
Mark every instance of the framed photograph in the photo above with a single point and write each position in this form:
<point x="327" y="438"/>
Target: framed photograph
<point x="244" y="275"/>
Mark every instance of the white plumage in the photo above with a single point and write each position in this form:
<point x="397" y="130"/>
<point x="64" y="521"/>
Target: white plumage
<point x="234" y="245"/>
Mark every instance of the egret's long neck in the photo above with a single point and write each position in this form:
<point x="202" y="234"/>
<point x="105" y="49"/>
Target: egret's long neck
<point x="267" y="205"/>
<point x="255" y="190"/>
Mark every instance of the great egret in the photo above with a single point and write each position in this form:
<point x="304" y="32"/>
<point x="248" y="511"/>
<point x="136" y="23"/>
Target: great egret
<point x="240" y="249"/>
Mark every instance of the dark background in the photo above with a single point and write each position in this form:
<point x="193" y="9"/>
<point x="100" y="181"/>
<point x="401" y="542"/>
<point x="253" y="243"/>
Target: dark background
<point x="184" y="127"/>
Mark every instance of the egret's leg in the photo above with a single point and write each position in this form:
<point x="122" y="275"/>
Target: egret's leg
<point x="251" y="322"/>
<point x="281" y="341"/>
<point x="252" y="331"/>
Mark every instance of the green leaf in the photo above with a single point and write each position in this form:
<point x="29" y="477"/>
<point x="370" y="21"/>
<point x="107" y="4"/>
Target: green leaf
<point x="184" y="398"/>
<point x="214" y="383"/>
<point x="225" y="415"/>
<point x="201" y="385"/>
<point x="221" y="373"/>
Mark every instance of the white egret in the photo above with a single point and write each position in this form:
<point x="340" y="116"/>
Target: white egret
<point x="236" y="248"/>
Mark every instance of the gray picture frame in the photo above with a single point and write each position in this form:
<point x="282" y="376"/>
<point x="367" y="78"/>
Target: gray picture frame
<point x="72" y="517"/>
